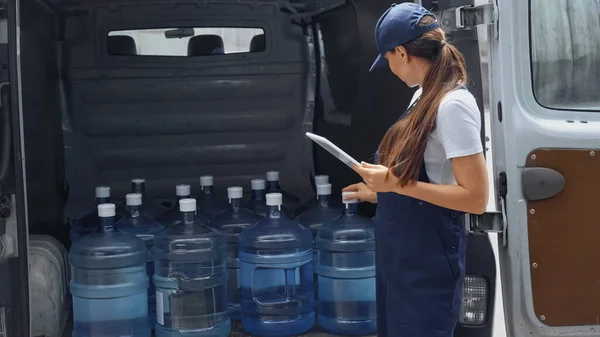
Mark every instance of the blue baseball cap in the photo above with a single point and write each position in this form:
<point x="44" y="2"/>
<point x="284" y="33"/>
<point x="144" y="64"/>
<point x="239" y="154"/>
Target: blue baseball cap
<point x="397" y="26"/>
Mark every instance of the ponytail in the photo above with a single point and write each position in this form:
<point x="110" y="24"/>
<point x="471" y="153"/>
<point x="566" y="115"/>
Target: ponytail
<point x="403" y="146"/>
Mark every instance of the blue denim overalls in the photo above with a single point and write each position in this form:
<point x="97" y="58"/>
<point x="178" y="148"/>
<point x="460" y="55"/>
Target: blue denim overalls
<point x="420" y="263"/>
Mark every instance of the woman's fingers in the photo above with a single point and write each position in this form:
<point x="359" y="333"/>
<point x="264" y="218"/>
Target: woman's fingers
<point x="367" y="165"/>
<point x="351" y="188"/>
<point x="350" y="196"/>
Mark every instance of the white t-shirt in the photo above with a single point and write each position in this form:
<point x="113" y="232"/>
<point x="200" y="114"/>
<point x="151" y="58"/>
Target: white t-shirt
<point x="457" y="134"/>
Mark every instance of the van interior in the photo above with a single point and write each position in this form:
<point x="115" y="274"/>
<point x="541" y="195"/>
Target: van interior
<point x="169" y="91"/>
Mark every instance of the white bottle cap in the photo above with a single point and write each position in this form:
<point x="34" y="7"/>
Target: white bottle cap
<point x="235" y="192"/>
<point x="351" y="201"/>
<point x="324" y="189"/>
<point x="102" y="192"/>
<point x="321" y="180"/>
<point x="106" y="210"/>
<point x="182" y="190"/>
<point x="274" y="199"/>
<point x="187" y="205"/>
<point x="258" y="184"/>
<point x="273" y="176"/>
<point x="138" y="180"/>
<point x="206" y="181"/>
<point x="133" y="199"/>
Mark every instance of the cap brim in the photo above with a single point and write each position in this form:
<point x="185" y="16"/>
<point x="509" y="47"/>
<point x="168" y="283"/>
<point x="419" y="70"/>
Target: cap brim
<point x="379" y="62"/>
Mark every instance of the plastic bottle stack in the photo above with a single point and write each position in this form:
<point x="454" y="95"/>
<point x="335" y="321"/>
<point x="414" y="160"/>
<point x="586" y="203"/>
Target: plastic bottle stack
<point x="109" y="282"/>
<point x="172" y="216"/>
<point x="89" y="223"/>
<point x="191" y="278"/>
<point x="346" y="269"/>
<point x="231" y="222"/>
<point x="276" y="275"/>
<point x="142" y="226"/>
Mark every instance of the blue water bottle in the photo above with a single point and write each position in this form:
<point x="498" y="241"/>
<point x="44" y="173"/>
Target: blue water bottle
<point x="276" y="275"/>
<point x="346" y="270"/>
<point x="141" y="225"/>
<point x="109" y="282"/>
<point x="191" y="278"/>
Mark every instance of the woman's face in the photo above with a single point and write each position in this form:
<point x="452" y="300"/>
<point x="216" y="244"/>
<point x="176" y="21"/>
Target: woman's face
<point x="401" y="65"/>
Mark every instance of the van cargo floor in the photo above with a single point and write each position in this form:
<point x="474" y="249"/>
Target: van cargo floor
<point x="236" y="331"/>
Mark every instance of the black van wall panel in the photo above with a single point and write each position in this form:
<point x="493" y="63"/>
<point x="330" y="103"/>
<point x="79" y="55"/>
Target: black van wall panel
<point x="172" y="119"/>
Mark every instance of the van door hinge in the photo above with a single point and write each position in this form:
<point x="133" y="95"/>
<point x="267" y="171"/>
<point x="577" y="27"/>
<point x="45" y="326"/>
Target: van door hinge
<point x="467" y="17"/>
<point x="492" y="221"/>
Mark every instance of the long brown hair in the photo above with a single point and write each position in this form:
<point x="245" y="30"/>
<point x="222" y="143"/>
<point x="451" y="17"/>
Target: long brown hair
<point x="403" y="146"/>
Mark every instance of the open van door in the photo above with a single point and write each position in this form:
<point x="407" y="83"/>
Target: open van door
<point x="14" y="286"/>
<point x="545" y="76"/>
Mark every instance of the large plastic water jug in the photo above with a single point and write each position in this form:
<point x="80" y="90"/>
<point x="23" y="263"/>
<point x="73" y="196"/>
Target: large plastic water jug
<point x="290" y="202"/>
<point x="346" y="269"/>
<point x="231" y="222"/>
<point x="172" y="215"/>
<point x="191" y="278"/>
<point x="149" y="207"/>
<point x="109" y="282"/>
<point x="208" y="202"/>
<point x="89" y="223"/>
<point x="276" y="275"/>
<point x="316" y="217"/>
<point x="141" y="225"/>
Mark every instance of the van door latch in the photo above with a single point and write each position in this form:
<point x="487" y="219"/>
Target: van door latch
<point x="492" y="221"/>
<point x="467" y="17"/>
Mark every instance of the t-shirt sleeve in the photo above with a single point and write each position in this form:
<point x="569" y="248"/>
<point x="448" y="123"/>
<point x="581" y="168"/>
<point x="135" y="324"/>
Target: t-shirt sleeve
<point x="459" y="127"/>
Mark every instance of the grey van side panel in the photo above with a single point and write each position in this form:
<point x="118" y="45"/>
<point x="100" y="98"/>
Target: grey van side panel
<point x="172" y="119"/>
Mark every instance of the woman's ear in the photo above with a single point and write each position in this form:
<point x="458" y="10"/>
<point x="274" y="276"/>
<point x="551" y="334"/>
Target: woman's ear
<point x="401" y="51"/>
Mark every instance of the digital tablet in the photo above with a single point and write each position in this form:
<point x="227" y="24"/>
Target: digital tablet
<point x="333" y="149"/>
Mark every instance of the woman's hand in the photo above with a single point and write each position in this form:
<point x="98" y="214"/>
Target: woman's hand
<point x="378" y="178"/>
<point x="361" y="192"/>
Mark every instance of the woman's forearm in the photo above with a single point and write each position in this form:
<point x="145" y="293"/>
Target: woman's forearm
<point x="449" y="196"/>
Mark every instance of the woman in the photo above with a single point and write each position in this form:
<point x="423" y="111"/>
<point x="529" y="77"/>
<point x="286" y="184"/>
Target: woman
<point x="431" y="171"/>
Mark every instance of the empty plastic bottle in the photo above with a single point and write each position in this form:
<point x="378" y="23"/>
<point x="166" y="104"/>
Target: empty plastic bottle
<point x="172" y="216"/>
<point x="231" y="222"/>
<point x="141" y="225"/>
<point x="276" y="275"/>
<point x="346" y="269"/>
<point x="290" y="201"/>
<point x="208" y="203"/>
<point x="109" y="282"/>
<point x="149" y="207"/>
<point x="316" y="217"/>
<point x="191" y="278"/>
<point x="89" y="223"/>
